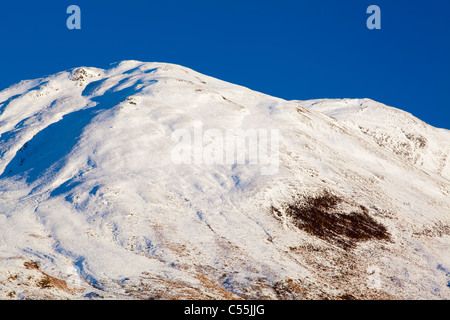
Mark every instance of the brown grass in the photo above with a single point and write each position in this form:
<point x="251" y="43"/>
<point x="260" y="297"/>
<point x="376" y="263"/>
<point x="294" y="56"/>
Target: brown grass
<point x="320" y="217"/>
<point x="31" y="265"/>
<point x="48" y="281"/>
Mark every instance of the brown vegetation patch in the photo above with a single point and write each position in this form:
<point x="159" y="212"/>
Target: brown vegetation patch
<point x="30" y="265"/>
<point x="419" y="140"/>
<point x="320" y="217"/>
<point x="47" y="281"/>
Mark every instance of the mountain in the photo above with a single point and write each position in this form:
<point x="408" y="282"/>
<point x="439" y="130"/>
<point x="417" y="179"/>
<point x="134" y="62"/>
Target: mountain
<point x="152" y="181"/>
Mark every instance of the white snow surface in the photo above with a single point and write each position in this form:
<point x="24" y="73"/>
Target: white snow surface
<point x="90" y="195"/>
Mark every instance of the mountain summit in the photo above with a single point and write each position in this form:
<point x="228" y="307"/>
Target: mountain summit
<point x="150" y="180"/>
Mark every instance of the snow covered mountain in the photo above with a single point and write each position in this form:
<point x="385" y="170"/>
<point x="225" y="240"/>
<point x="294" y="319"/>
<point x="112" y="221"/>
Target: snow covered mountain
<point x="96" y="203"/>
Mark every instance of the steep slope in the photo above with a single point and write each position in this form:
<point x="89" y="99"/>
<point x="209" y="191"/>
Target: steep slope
<point x="94" y="202"/>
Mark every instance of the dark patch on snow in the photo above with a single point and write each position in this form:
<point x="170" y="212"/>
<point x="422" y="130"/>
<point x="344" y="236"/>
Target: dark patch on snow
<point x="319" y="215"/>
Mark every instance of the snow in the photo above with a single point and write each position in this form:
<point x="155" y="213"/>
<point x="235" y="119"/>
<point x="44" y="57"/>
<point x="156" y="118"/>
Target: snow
<point x="87" y="181"/>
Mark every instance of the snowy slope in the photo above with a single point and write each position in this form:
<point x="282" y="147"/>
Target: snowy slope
<point x="394" y="129"/>
<point x="92" y="204"/>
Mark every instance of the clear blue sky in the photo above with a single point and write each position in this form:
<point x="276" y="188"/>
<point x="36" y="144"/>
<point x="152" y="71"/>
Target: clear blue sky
<point x="290" y="49"/>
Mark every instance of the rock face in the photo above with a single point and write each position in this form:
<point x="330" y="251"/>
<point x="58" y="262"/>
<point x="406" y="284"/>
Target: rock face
<point x="96" y="200"/>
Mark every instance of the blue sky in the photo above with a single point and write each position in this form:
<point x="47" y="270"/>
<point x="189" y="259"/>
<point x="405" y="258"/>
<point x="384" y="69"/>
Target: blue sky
<point x="290" y="49"/>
